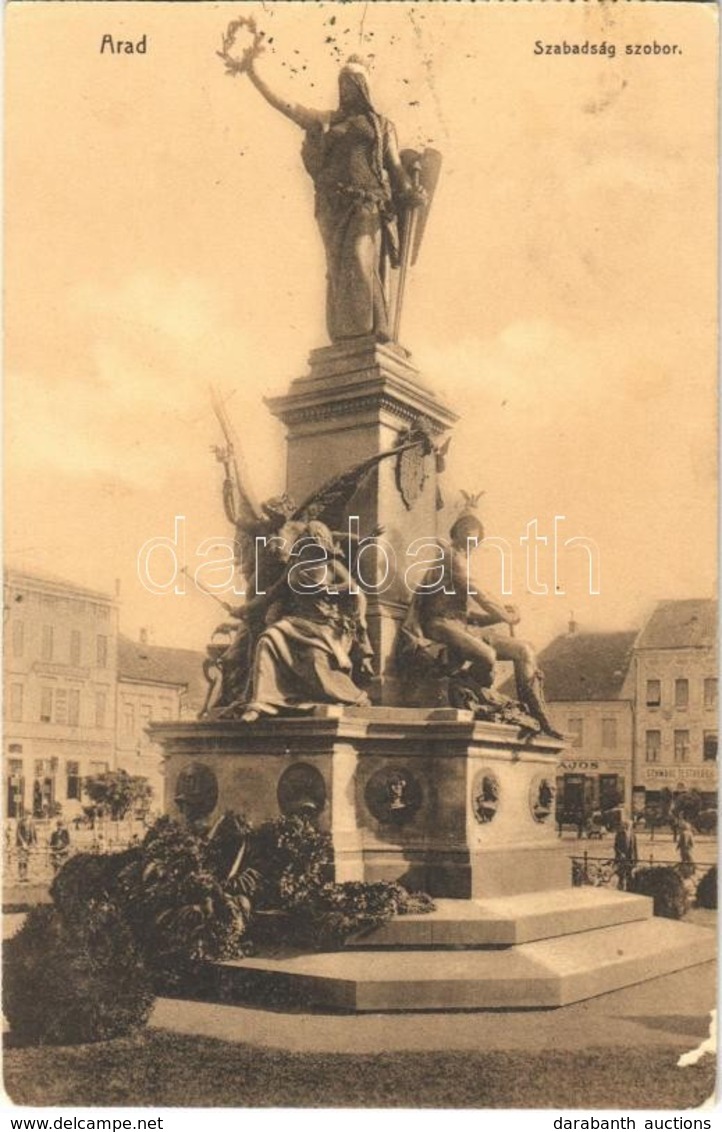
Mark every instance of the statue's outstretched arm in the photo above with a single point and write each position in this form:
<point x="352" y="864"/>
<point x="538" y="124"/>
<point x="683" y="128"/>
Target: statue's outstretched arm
<point x="301" y="115"/>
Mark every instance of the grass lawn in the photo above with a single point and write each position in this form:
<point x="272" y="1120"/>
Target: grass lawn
<point x="168" y="1070"/>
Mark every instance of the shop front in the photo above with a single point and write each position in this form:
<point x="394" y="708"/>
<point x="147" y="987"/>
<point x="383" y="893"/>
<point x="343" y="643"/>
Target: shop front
<point x="590" y="786"/>
<point x="679" y="779"/>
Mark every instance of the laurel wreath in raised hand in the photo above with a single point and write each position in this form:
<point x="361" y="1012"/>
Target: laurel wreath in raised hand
<point x="234" y="65"/>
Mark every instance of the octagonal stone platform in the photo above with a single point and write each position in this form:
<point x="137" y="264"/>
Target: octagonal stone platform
<point x="469" y="955"/>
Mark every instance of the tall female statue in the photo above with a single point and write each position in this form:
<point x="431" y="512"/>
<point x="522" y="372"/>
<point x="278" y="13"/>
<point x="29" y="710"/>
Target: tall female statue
<point x="361" y="187"/>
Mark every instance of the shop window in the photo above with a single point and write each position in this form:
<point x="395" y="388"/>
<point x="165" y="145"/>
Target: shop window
<point x="653" y="745"/>
<point x="611" y="791"/>
<point x="710" y="692"/>
<point x="16" y="788"/>
<point x="73" y="775"/>
<point x="709" y="750"/>
<point x="681" y="746"/>
<point x="654" y="693"/>
<point x="576" y="731"/>
<point x="681" y="694"/>
<point x="43" y="796"/>
<point x="609" y="733"/>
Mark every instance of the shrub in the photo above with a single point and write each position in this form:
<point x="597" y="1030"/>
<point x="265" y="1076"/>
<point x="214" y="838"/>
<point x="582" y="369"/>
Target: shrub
<point x="294" y="859"/>
<point x="88" y="877"/>
<point x="118" y="792"/>
<point x="331" y="913"/>
<point x="70" y="982"/>
<point x="666" y="887"/>
<point x="342" y="910"/>
<point x="707" y="889"/>
<point x="687" y="806"/>
<point x="181" y="901"/>
<point x="706" y="821"/>
<point x="188" y="898"/>
<point x="308" y="908"/>
<point x="184" y="897"/>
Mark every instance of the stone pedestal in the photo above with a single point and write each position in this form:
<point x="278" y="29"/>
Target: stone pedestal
<point x="426" y="797"/>
<point x="356" y="402"/>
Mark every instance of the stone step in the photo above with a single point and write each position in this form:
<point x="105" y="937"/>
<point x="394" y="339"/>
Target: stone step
<point x="508" y="920"/>
<point x="543" y="974"/>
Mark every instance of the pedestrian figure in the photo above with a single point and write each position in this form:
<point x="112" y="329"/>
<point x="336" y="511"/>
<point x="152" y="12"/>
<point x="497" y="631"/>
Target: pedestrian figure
<point x="59" y="845"/>
<point x="625" y="853"/>
<point x="685" y="847"/>
<point x="26" y="838"/>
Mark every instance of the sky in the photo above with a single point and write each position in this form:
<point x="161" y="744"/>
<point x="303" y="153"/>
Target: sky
<point x="159" y="235"/>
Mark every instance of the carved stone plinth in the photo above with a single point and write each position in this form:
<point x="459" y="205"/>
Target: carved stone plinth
<point x="441" y="803"/>
<point x="427" y="797"/>
<point x="356" y="402"/>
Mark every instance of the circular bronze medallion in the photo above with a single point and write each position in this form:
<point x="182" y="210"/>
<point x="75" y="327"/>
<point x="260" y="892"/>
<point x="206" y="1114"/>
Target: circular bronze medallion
<point x="196" y="791"/>
<point x="301" y="790"/>
<point x="393" y="796"/>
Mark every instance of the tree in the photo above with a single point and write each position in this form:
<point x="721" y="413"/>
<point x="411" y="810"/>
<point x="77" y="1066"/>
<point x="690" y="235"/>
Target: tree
<point x="118" y="792"/>
<point x="688" y="805"/>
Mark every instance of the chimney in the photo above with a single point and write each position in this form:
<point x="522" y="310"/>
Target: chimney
<point x="143" y="636"/>
<point x="573" y="625"/>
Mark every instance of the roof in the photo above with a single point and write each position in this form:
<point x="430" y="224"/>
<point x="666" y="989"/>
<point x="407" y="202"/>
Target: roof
<point x="587" y="666"/>
<point x="681" y="624"/>
<point x="53" y="584"/>
<point x="156" y="664"/>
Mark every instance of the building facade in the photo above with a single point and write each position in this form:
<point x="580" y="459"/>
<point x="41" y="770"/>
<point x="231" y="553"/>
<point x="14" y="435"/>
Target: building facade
<point x="60" y="674"/>
<point x="589" y="690"/>
<point x="640" y="709"/>
<point x="676" y="704"/>
<point x="154" y="684"/>
<point x="78" y="696"/>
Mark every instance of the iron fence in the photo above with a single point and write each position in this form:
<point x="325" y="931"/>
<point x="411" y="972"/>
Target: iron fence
<point x="38" y="863"/>
<point x="600" y="871"/>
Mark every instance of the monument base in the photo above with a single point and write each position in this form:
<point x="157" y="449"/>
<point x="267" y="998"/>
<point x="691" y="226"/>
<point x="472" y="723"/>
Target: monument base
<point x="428" y="797"/>
<point x="442" y="803"/>
<point x="517" y="954"/>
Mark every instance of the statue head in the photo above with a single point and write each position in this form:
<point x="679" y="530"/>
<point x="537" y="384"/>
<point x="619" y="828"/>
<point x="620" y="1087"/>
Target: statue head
<point x="353" y="85"/>
<point x="466" y="526"/>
